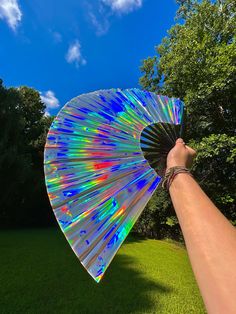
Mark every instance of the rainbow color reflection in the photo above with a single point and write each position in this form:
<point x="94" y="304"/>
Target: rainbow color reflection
<point x="97" y="178"/>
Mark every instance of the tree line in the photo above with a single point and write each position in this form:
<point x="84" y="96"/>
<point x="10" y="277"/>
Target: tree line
<point x="24" y="127"/>
<point x="195" y="62"/>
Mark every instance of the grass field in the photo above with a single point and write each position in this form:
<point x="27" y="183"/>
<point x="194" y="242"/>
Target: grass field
<point x="39" y="273"/>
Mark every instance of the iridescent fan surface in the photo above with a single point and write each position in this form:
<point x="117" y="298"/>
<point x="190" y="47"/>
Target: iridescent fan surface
<point x="103" y="160"/>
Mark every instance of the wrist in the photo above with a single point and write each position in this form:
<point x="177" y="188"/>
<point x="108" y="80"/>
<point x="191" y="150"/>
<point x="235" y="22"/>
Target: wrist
<point x="175" y="165"/>
<point x="179" y="180"/>
<point x="171" y="173"/>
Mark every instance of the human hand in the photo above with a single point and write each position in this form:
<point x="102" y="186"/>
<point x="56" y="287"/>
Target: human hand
<point x="180" y="155"/>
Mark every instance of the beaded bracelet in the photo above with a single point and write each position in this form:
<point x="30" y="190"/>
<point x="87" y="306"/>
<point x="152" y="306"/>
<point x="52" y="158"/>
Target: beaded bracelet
<point x="170" y="175"/>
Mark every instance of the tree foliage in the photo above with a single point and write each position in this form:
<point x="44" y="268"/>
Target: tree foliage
<point x="215" y="168"/>
<point x="197" y="63"/>
<point x="24" y="127"/>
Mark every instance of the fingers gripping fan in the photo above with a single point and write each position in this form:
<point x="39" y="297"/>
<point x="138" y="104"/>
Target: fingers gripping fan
<point x="104" y="157"/>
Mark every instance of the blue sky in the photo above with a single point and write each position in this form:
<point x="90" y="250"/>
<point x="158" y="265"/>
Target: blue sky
<point x="68" y="47"/>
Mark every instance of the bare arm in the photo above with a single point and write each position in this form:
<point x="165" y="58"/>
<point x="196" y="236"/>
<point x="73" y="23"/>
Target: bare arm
<point x="210" y="238"/>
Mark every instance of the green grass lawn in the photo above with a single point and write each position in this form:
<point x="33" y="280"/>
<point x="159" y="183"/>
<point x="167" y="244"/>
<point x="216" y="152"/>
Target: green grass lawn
<point x="39" y="273"/>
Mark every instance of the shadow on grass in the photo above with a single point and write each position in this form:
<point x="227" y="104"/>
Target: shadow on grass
<point x="123" y="290"/>
<point x="46" y="277"/>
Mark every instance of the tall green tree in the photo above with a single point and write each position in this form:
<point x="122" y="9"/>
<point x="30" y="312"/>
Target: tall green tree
<point x="197" y="63"/>
<point x="24" y="127"/>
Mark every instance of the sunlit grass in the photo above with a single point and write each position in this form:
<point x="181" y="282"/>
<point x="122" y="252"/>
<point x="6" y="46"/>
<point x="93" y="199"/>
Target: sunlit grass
<point x="39" y="273"/>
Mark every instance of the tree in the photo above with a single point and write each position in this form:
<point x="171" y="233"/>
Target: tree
<point x="215" y="166"/>
<point x="24" y="127"/>
<point x="197" y="63"/>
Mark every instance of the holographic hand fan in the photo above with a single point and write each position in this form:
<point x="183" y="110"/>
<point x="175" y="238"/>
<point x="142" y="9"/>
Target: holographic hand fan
<point x="104" y="157"/>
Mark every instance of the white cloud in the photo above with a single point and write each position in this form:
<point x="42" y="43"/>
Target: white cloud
<point x="123" y="6"/>
<point x="50" y="100"/>
<point x="10" y="12"/>
<point x="74" y="54"/>
<point x="100" y="13"/>
<point x="101" y="26"/>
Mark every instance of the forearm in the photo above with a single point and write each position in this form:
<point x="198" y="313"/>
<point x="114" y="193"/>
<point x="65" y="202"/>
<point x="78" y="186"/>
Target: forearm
<point x="211" y="244"/>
